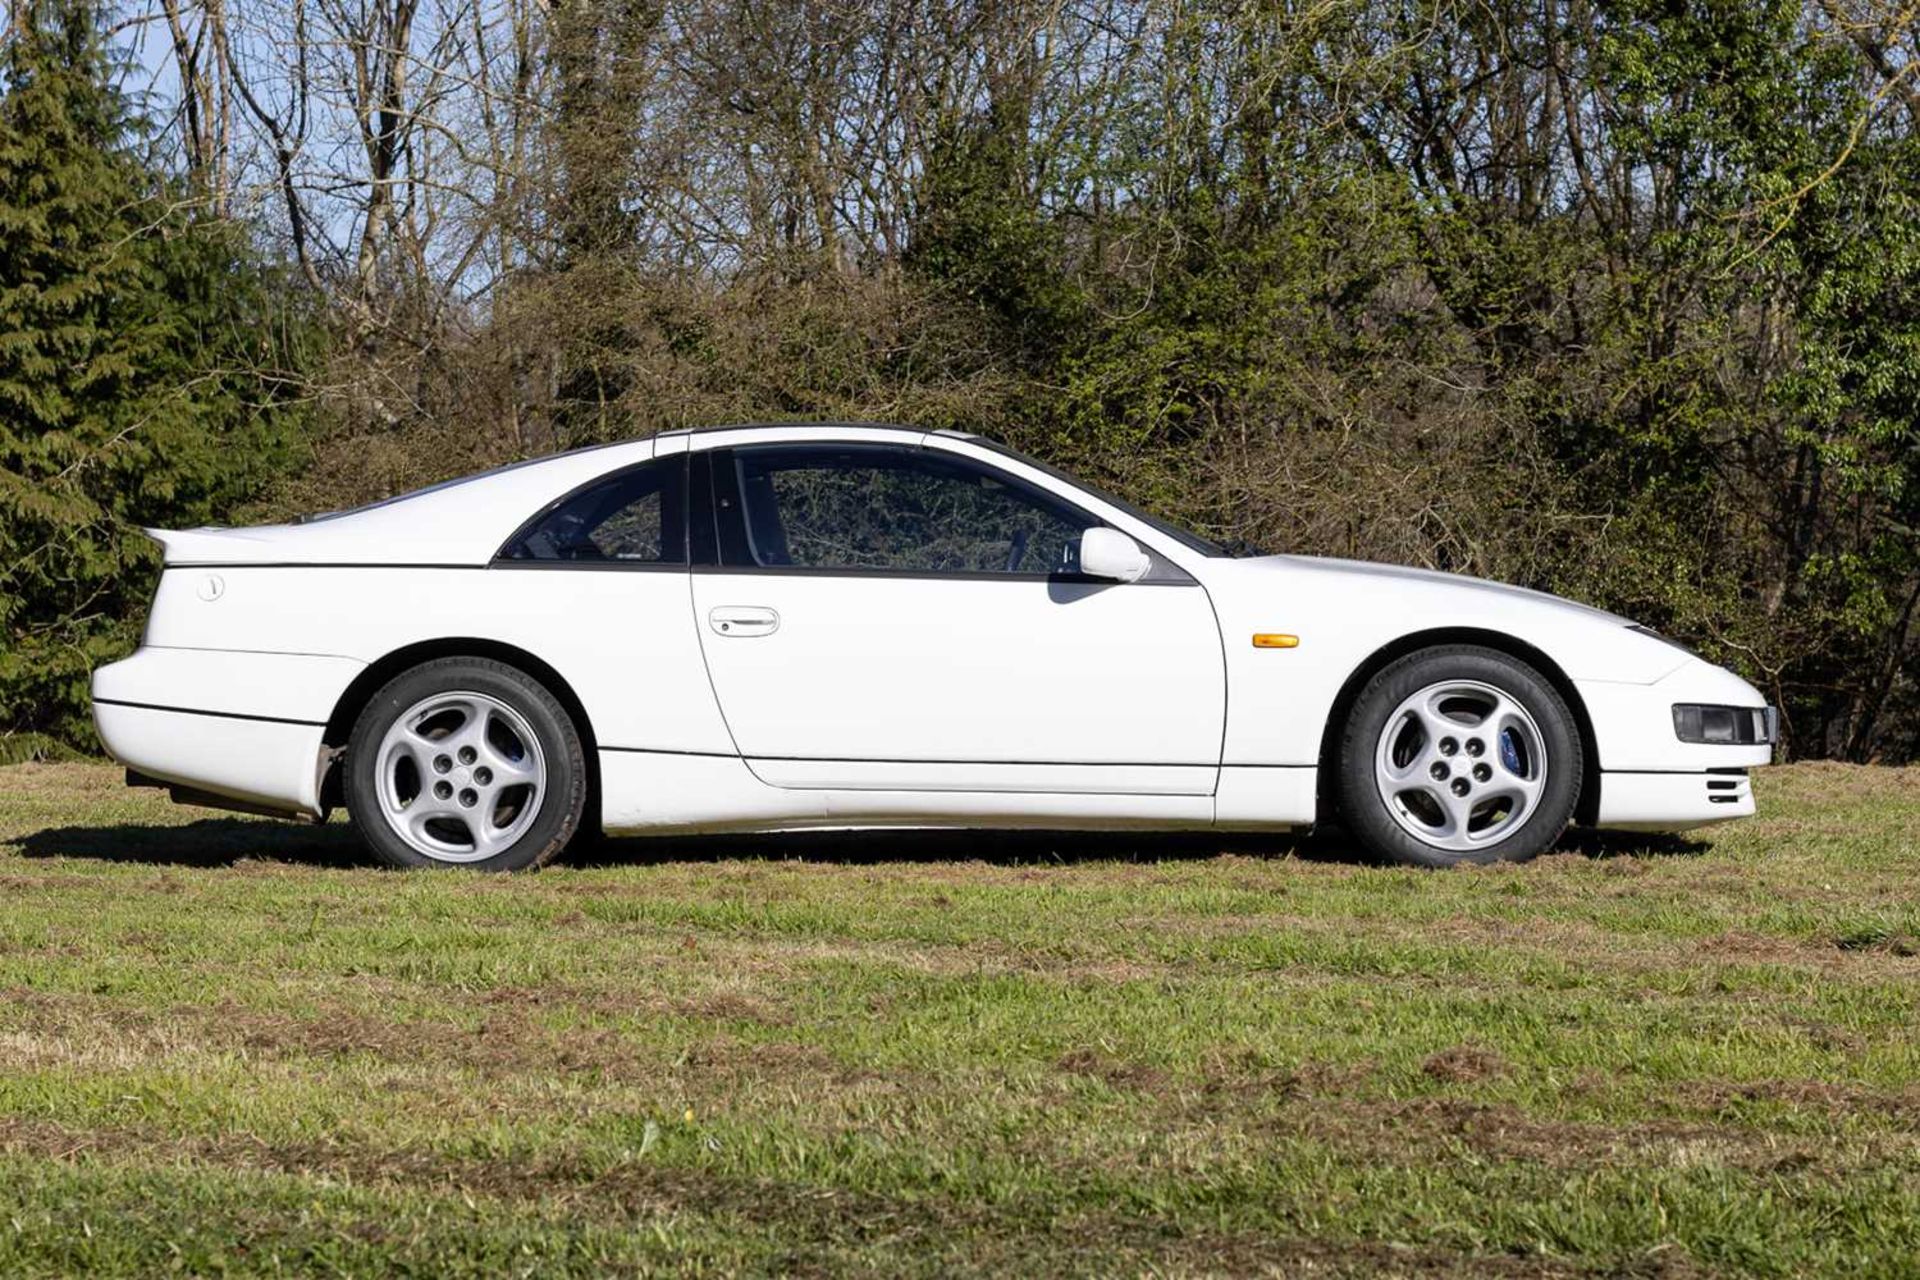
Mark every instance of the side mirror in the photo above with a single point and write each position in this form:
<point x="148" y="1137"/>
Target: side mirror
<point x="1109" y="553"/>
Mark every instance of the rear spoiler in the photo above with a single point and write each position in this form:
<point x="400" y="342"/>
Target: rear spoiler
<point x="210" y="546"/>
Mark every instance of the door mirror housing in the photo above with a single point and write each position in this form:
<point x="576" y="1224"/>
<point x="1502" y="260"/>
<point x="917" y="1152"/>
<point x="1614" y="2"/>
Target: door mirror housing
<point x="1109" y="553"/>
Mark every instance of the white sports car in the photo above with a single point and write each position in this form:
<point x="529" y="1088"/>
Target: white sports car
<point x="772" y="627"/>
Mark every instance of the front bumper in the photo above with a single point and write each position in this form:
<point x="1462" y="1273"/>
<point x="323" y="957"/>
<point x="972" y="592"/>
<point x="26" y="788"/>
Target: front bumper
<point x="1672" y="801"/>
<point x="1633" y="724"/>
<point x="1649" y="778"/>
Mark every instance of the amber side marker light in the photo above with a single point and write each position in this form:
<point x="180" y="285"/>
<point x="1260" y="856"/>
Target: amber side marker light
<point x="1275" y="640"/>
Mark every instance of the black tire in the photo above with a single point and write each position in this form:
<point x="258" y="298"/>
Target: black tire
<point x="1366" y="810"/>
<point x="559" y="805"/>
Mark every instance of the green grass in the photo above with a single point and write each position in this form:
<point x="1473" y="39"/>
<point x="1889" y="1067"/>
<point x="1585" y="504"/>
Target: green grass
<point x="231" y="1047"/>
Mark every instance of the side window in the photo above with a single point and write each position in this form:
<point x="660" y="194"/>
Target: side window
<point x="903" y="510"/>
<point x="636" y="516"/>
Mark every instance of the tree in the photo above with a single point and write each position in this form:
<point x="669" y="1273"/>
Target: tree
<point x="145" y="375"/>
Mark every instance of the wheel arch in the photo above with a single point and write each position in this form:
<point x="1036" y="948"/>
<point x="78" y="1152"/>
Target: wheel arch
<point x="1586" y="810"/>
<point x="354" y="699"/>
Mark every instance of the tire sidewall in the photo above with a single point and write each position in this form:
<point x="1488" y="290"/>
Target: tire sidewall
<point x="561" y="806"/>
<point x="1365" y="809"/>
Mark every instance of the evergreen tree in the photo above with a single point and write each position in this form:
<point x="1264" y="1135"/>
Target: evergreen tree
<point x="142" y="371"/>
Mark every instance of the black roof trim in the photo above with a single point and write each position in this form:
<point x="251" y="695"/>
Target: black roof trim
<point x="833" y="424"/>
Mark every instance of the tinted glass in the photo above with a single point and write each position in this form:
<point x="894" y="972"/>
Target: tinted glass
<point x="878" y="507"/>
<point x="635" y="517"/>
<point x="1186" y="537"/>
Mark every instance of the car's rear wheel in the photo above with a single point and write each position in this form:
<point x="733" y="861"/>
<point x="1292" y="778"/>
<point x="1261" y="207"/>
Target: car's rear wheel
<point x="1459" y="754"/>
<point x="466" y="762"/>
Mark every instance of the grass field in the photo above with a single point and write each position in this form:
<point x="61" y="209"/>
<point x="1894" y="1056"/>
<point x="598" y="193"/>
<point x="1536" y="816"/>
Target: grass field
<point x="230" y="1046"/>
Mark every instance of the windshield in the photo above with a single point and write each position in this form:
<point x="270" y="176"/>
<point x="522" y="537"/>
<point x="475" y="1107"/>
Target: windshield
<point x="1185" y="537"/>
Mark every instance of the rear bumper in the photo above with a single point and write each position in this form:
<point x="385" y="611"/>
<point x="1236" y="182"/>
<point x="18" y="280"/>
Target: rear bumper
<point x="245" y="726"/>
<point x="268" y="764"/>
<point x="1673" y="801"/>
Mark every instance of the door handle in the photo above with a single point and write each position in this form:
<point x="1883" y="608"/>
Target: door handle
<point x="743" y="620"/>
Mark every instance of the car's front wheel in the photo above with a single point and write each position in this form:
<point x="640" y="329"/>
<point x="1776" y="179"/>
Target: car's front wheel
<point x="1459" y="754"/>
<point x="466" y="762"/>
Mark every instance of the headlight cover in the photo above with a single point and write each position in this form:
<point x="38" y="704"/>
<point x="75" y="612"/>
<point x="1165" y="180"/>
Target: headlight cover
<point x="1725" y="726"/>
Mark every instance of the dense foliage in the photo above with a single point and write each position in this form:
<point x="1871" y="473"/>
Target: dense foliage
<point x="139" y="384"/>
<point x="1616" y="298"/>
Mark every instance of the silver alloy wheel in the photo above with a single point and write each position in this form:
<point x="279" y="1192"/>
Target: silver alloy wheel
<point x="461" y="776"/>
<point x="1460" y="765"/>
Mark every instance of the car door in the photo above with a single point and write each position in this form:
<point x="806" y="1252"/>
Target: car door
<point x="596" y="585"/>
<point x="881" y="616"/>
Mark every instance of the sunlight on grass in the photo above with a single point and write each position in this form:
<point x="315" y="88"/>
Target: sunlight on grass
<point x="231" y="1046"/>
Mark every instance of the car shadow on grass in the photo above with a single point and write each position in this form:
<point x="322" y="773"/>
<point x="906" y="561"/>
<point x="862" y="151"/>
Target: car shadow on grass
<point x="210" y="842"/>
<point x="1034" y="848"/>
<point x="1632" y="844"/>
<point x="222" y="842"/>
<point x="1024" y="847"/>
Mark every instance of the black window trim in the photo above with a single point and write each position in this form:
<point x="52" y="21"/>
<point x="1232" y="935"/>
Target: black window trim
<point x="501" y="560"/>
<point x="703" y="505"/>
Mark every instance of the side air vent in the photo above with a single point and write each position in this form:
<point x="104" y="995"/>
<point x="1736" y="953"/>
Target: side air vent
<point x="1728" y="787"/>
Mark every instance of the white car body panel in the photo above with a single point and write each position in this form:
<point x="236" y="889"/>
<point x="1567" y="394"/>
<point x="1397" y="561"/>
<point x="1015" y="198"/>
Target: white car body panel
<point x="295" y="687"/>
<point x="1621" y="713"/>
<point x="876" y="699"/>
<point x="1344" y="612"/>
<point x="269" y="764"/>
<point x="667" y="793"/>
<point x="1672" y="801"/>
<point x="460" y="523"/>
<point x="642" y="627"/>
<point x="970" y="684"/>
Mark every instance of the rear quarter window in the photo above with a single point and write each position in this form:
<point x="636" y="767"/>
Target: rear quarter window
<point x="633" y="517"/>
